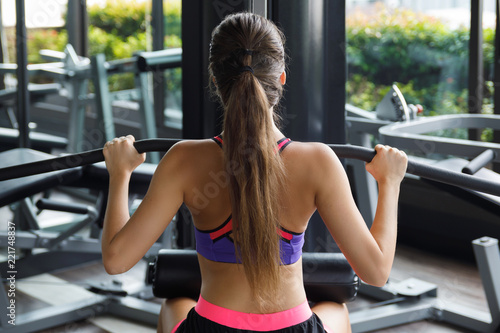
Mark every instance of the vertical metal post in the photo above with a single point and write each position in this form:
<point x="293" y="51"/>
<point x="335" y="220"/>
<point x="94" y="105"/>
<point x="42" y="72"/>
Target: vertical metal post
<point x="192" y="66"/>
<point x="23" y="111"/>
<point x="314" y="101"/>
<point x="201" y="113"/>
<point x="488" y="263"/>
<point x="3" y="41"/>
<point x="148" y="128"/>
<point x="158" y="23"/>
<point x="273" y="11"/>
<point x="476" y="76"/>
<point x="103" y="99"/>
<point x="496" y="94"/>
<point x="336" y="72"/>
<point x="77" y="26"/>
<point x="76" y="115"/>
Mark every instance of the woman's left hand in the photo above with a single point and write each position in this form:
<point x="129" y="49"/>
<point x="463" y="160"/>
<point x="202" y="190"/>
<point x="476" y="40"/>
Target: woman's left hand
<point x="121" y="156"/>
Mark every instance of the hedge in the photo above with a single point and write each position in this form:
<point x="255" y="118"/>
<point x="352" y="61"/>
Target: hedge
<point x="423" y="55"/>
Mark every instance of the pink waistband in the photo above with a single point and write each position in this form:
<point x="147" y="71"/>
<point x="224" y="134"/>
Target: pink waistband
<point x="253" y="321"/>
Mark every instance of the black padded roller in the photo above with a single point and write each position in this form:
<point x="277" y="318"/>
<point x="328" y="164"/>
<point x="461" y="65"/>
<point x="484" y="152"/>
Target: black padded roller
<point x="327" y="276"/>
<point x="343" y="151"/>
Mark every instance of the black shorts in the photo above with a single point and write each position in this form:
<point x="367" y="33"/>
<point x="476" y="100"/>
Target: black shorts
<point x="195" y="323"/>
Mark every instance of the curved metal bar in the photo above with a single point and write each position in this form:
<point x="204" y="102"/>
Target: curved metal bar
<point x="411" y="135"/>
<point x="343" y="151"/>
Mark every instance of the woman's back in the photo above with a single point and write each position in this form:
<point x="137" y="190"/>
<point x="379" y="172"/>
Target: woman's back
<point x="225" y="284"/>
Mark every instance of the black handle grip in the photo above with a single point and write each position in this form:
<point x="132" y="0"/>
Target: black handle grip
<point x="343" y="151"/>
<point x="60" y="206"/>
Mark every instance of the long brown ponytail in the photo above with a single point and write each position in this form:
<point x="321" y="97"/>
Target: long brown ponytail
<point x="246" y="60"/>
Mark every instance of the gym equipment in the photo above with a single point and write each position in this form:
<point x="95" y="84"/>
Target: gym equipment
<point x="344" y="151"/>
<point x="74" y="73"/>
<point x="140" y="65"/>
<point x="410" y="135"/>
<point x="10" y="135"/>
<point x="393" y="106"/>
<point x="412" y="300"/>
<point x="365" y="127"/>
<point x="176" y="273"/>
<point x="28" y="235"/>
<point x="62" y="249"/>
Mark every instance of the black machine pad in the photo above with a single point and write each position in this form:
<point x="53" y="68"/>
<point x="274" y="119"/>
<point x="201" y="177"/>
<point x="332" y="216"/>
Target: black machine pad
<point x="327" y="276"/>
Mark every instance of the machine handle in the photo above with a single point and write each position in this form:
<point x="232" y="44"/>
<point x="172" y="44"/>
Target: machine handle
<point x="480" y="161"/>
<point x="60" y="206"/>
<point x="343" y="151"/>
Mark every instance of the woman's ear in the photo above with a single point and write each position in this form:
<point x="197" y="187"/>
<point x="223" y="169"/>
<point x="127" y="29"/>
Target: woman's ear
<point x="283" y="78"/>
<point x="213" y="80"/>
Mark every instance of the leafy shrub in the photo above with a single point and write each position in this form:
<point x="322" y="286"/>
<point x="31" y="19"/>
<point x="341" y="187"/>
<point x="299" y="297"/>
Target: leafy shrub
<point x="119" y="30"/>
<point x="427" y="59"/>
<point x="118" y="18"/>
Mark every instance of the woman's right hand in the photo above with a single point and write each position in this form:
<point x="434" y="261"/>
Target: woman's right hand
<point x="388" y="165"/>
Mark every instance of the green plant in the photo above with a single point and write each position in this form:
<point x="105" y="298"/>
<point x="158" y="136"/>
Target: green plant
<point x="427" y="59"/>
<point x="401" y="45"/>
<point x="118" y="18"/>
<point x="119" y="30"/>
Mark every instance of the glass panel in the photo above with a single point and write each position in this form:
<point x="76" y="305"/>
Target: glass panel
<point x="422" y="53"/>
<point x="173" y="77"/>
<point x="45" y="27"/>
<point x="118" y="28"/>
<point x="422" y="46"/>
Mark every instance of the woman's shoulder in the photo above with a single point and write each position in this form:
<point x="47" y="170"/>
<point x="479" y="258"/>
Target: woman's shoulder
<point x="314" y="151"/>
<point x="315" y="158"/>
<point x="191" y="154"/>
<point x="193" y="148"/>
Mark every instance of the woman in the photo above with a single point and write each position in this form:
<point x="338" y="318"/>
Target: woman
<point x="251" y="193"/>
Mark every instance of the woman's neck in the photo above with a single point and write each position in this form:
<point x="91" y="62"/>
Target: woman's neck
<point x="277" y="133"/>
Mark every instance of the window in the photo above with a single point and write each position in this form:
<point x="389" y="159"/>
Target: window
<point x="422" y="46"/>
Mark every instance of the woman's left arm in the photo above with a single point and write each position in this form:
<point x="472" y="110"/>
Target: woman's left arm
<point x="126" y="239"/>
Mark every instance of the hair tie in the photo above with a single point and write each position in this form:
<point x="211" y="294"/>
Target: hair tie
<point x="249" y="52"/>
<point x="246" y="69"/>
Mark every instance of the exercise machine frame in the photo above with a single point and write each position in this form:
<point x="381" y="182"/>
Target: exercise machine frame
<point x="427" y="306"/>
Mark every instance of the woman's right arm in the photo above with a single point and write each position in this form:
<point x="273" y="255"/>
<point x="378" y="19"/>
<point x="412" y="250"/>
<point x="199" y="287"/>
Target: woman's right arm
<point x="369" y="251"/>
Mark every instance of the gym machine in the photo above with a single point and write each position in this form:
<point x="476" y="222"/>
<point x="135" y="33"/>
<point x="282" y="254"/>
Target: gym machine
<point x="9" y="131"/>
<point x="417" y="299"/>
<point x="416" y="135"/>
<point x="395" y="123"/>
<point x="74" y="75"/>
